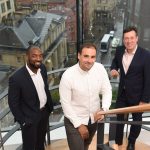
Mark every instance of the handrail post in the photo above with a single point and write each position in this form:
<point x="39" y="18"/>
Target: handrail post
<point x="1" y="140"/>
<point x="112" y="130"/>
<point x="100" y="135"/>
<point x="100" y="138"/>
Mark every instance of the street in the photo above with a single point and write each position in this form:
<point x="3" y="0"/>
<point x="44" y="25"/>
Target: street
<point x="106" y="58"/>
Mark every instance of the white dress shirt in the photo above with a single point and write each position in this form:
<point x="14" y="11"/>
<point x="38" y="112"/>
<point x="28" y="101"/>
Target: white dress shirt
<point x="39" y="85"/>
<point x="127" y="59"/>
<point x="79" y="93"/>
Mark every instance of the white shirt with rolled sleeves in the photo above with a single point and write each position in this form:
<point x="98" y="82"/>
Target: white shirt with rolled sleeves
<point x="79" y="93"/>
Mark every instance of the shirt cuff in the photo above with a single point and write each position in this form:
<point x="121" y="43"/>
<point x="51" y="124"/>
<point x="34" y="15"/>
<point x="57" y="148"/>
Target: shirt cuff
<point x="92" y="118"/>
<point x="76" y="124"/>
<point x="105" y="109"/>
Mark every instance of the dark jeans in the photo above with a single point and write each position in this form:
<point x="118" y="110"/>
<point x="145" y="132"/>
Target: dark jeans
<point x="74" y="138"/>
<point x="134" y="130"/>
<point x="33" y="135"/>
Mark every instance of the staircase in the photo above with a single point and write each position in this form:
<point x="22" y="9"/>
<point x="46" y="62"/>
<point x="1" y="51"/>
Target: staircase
<point x="59" y="141"/>
<point x="62" y="144"/>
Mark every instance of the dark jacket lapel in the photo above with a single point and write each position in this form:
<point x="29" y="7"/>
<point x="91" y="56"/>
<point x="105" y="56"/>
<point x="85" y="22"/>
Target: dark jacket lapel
<point x="134" y="60"/>
<point x="121" y="57"/>
<point x="29" y="79"/>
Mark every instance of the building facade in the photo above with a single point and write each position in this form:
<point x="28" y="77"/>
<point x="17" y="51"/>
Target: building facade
<point x="40" y="28"/>
<point x="104" y="17"/>
<point x="137" y="14"/>
<point x="6" y="9"/>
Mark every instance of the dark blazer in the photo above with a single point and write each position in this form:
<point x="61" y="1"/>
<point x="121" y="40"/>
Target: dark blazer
<point x="23" y="98"/>
<point x="136" y="81"/>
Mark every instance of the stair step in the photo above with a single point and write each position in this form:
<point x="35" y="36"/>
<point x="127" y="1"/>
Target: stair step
<point x="11" y="147"/>
<point x="62" y="144"/>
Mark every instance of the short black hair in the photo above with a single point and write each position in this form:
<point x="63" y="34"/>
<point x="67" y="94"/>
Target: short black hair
<point x="130" y="28"/>
<point x="31" y="47"/>
<point x="87" y="45"/>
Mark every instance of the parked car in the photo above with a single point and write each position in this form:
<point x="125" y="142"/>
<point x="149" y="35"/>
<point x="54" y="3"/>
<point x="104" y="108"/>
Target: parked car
<point x="115" y="42"/>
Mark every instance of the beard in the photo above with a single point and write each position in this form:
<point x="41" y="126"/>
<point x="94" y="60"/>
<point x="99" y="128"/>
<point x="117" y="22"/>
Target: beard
<point x="35" y="65"/>
<point x="89" y="65"/>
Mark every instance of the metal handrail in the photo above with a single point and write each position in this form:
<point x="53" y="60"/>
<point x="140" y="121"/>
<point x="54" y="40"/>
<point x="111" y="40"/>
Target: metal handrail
<point x="11" y="132"/>
<point x="127" y="122"/>
<point x="111" y="119"/>
<point x="4" y="94"/>
<point x="145" y="128"/>
<point x="1" y="141"/>
<point x="4" y="113"/>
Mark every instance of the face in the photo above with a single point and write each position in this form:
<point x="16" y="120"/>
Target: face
<point x="34" y="58"/>
<point x="130" y="40"/>
<point x="87" y="58"/>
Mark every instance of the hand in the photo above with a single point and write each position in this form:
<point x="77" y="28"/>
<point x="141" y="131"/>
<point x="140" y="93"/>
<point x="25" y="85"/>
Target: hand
<point x="142" y="103"/>
<point x="25" y="124"/>
<point x="83" y="130"/>
<point x="114" y="73"/>
<point x="98" y="116"/>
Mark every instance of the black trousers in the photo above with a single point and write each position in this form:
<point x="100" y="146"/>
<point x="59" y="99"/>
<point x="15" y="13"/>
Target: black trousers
<point x="134" y="129"/>
<point x="74" y="138"/>
<point x="33" y="136"/>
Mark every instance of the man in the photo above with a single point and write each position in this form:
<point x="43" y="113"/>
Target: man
<point x="131" y="62"/>
<point x="80" y="89"/>
<point x="30" y="101"/>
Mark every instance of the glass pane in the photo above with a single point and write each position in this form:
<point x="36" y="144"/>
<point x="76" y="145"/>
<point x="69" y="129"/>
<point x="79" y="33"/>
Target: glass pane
<point x="59" y="28"/>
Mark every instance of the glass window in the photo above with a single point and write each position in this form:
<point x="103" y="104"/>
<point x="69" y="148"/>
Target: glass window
<point x="137" y="7"/>
<point x="1" y="58"/>
<point x="146" y="36"/>
<point x="3" y="7"/>
<point x="19" y="59"/>
<point x="8" y="5"/>
<point x="103" y="1"/>
<point x="68" y="26"/>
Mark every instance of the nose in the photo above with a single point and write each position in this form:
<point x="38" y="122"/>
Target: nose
<point x="39" y="58"/>
<point x="129" y="40"/>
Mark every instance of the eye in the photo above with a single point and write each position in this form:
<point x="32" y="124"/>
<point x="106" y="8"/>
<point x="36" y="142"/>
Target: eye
<point x="33" y="56"/>
<point x="86" y="56"/>
<point x="41" y="56"/>
<point x="93" y="57"/>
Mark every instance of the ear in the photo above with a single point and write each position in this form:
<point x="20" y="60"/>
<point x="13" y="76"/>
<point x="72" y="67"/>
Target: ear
<point x="137" y="38"/>
<point x="26" y="57"/>
<point x="79" y="55"/>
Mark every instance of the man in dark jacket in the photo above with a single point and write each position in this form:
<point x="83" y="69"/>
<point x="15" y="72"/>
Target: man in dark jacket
<point x="131" y="63"/>
<point x="30" y="101"/>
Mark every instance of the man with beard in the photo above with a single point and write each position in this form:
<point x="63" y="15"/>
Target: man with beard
<point x="30" y="101"/>
<point x="80" y="89"/>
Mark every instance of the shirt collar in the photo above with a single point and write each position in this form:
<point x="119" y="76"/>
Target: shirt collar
<point x="31" y="72"/>
<point x="133" y="52"/>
